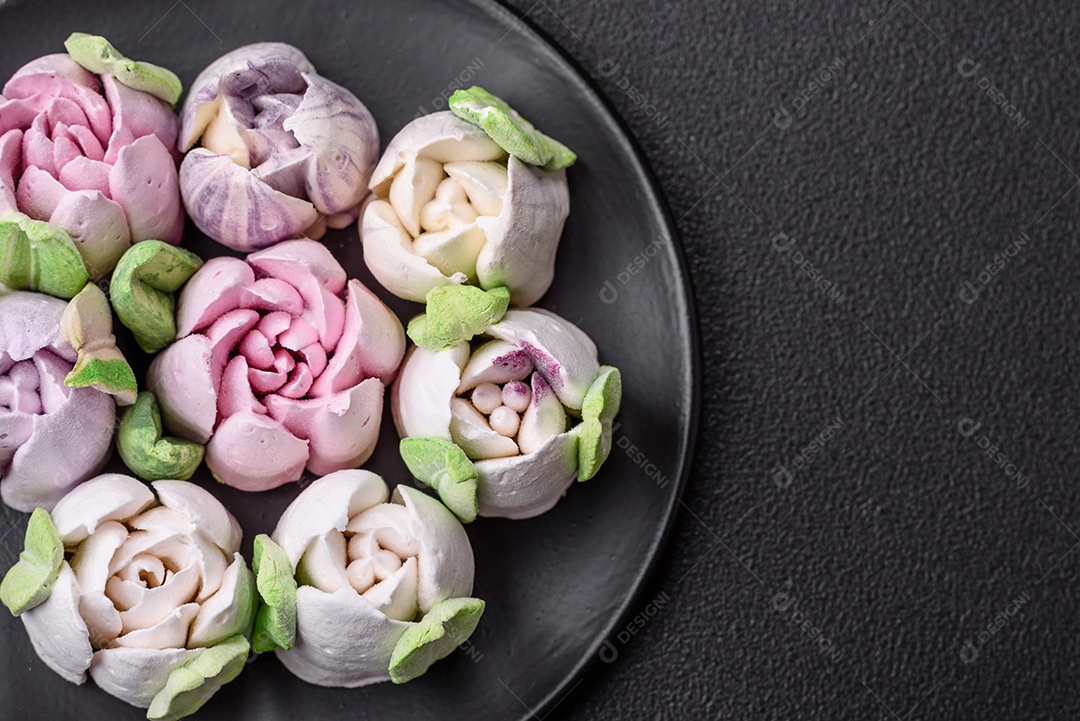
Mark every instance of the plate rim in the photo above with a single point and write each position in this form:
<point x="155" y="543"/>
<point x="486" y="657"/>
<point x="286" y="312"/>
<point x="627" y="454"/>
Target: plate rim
<point x="692" y="372"/>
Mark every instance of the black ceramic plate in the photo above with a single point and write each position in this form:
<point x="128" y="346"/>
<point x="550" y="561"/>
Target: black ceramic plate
<point x="557" y="586"/>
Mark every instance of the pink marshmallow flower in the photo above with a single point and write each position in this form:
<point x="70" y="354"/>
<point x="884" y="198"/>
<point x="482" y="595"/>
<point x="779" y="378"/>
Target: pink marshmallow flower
<point x="280" y="363"/>
<point x="91" y="155"/>
<point x="51" y="437"/>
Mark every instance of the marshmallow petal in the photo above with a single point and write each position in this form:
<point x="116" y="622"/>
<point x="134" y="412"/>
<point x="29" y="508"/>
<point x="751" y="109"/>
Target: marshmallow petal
<point x="389" y="255"/>
<point x="57" y="631"/>
<point x="561" y="351"/>
<point x="210" y="519"/>
<point x="526" y="486"/>
<point x="136" y="675"/>
<point x="442" y="137"/>
<point x="65" y="448"/>
<point x="229" y="611"/>
<point x="235" y="208"/>
<point x="342" y="640"/>
<point x="181" y="379"/>
<point x="144" y="182"/>
<point x="325" y="505"/>
<point x="255" y="453"/>
<point x="217" y="287"/>
<point x="344" y="140"/>
<point x="446" y="565"/>
<point x="524" y="237"/>
<point x="426" y="384"/>
<point x="109" y="497"/>
<point x="341" y="430"/>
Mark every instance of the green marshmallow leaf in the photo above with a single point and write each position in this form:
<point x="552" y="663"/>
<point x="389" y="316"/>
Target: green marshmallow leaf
<point x="30" y="581"/>
<point x="191" y="684"/>
<point x="275" y="624"/>
<point x="509" y="130"/>
<point x="97" y="55"/>
<point x="143" y="287"/>
<point x="148" y="453"/>
<point x="444" y="467"/>
<point x="446" y="626"/>
<point x="598" y="410"/>
<point x="456" y="313"/>
<point x="35" y="255"/>
<point x="87" y="326"/>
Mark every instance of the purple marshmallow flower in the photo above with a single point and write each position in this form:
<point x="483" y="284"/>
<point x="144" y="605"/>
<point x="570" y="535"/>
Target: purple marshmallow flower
<point x="51" y="437"/>
<point x="274" y="150"/>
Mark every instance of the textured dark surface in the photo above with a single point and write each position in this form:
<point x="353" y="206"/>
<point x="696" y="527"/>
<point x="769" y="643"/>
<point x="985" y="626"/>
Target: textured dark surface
<point x="899" y="180"/>
<point x="558" y="584"/>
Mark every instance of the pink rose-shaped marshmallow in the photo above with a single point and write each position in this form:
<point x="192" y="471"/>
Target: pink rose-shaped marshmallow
<point x="280" y="363"/>
<point x="51" y="437"/>
<point x="91" y="155"/>
<point x="282" y="151"/>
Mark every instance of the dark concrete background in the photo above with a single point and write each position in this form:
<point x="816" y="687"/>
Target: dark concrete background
<point x="918" y="560"/>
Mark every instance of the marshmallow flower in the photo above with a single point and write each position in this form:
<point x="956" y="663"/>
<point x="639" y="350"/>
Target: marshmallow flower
<point x="282" y="151"/>
<point x="453" y="207"/>
<point x="89" y="153"/>
<point x="504" y="429"/>
<point x="52" y="437"/>
<point x="366" y="590"/>
<point x="280" y="363"/>
<point x="143" y="589"/>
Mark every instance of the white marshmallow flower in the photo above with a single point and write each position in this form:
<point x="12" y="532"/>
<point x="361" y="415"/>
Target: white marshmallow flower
<point x="473" y="195"/>
<point x="502" y="426"/>
<point x="358" y="590"/>
<point x="144" y="590"/>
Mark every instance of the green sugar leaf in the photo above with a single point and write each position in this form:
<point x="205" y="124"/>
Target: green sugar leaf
<point x="192" y="684"/>
<point x="143" y="290"/>
<point x="445" y="627"/>
<point x="35" y="255"/>
<point x="87" y="326"/>
<point x="444" y="467"/>
<point x="598" y="410"/>
<point x="275" y="624"/>
<point x="509" y="130"/>
<point x="148" y="453"/>
<point x="97" y="55"/>
<point x="455" y="313"/>
<point x="30" y="581"/>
